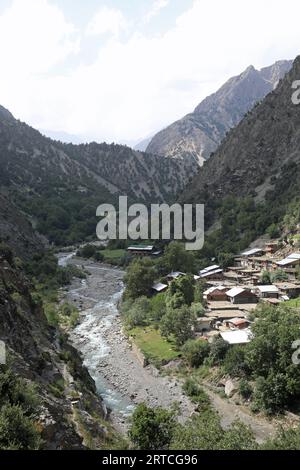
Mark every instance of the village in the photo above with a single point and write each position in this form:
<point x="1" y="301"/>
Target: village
<point x="232" y="294"/>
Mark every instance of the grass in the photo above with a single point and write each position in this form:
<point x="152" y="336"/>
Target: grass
<point x="293" y="303"/>
<point x="155" y="348"/>
<point x="113" y="255"/>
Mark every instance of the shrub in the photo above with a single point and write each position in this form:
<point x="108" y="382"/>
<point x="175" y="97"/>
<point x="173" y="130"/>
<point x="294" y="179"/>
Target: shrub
<point x="195" y="351"/>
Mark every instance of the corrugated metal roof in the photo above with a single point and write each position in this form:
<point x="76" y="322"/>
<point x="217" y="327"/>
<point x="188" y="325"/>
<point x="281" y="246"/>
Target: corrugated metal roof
<point x="210" y="273"/>
<point x="252" y="252"/>
<point x="268" y="289"/>
<point x="159" y="287"/>
<point x="235" y="291"/>
<point x="237" y="337"/>
<point x="209" y="268"/>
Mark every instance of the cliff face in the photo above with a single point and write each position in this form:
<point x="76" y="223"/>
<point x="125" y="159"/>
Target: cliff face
<point x="35" y="352"/>
<point x="259" y="155"/>
<point x="199" y="134"/>
<point x="17" y="231"/>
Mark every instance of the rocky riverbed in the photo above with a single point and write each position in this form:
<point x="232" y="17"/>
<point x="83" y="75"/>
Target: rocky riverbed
<point x="120" y="378"/>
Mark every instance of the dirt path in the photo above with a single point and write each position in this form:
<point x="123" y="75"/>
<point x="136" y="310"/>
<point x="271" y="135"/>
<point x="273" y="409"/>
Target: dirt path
<point x="230" y="412"/>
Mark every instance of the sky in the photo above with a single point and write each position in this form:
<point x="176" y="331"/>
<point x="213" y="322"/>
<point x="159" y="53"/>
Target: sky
<point x="120" y="70"/>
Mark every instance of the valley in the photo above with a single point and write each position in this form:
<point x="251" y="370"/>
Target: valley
<point x="120" y="377"/>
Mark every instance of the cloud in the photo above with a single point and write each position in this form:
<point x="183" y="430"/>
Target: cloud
<point x="157" y="6"/>
<point x="107" y="20"/>
<point x="34" y="36"/>
<point x="135" y="85"/>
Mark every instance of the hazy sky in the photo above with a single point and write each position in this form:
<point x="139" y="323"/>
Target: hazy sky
<point x="119" y="70"/>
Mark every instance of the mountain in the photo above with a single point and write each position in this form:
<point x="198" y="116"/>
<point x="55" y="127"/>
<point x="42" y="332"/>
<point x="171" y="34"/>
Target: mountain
<point x="199" y="134"/>
<point x="143" y="144"/>
<point x="44" y="373"/>
<point x="17" y="231"/>
<point x="60" y="185"/>
<point x="259" y="159"/>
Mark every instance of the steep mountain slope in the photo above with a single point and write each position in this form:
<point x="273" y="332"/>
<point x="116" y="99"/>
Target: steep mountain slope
<point x="61" y="185"/>
<point x="199" y="134"/>
<point x="36" y="354"/>
<point x="32" y="161"/>
<point x="16" y="231"/>
<point x="260" y="158"/>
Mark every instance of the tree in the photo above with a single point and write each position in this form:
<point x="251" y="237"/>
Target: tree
<point x="139" y="278"/>
<point x="17" y="431"/>
<point x="265" y="278"/>
<point x="269" y="358"/>
<point x="198" y="309"/>
<point x="180" y="323"/>
<point x="87" y="251"/>
<point x="235" y="362"/>
<point x="271" y="394"/>
<point x="218" y="350"/>
<point x="195" y="351"/>
<point x="279" y="275"/>
<point x="177" y="258"/>
<point x="136" y="313"/>
<point x="152" y="428"/>
<point x="185" y="286"/>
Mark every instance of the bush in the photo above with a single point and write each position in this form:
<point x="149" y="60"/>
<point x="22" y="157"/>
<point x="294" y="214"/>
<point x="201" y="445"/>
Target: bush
<point x="87" y="251"/>
<point x="152" y="428"/>
<point x="235" y="362"/>
<point x="195" y="351"/>
<point x="245" y="389"/>
<point x="98" y="256"/>
<point x="17" y="431"/>
<point x="218" y="350"/>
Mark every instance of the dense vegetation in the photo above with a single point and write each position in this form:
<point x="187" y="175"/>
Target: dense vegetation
<point x="19" y="408"/>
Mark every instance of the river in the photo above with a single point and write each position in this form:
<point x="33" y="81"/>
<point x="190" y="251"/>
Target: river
<point x="120" y="378"/>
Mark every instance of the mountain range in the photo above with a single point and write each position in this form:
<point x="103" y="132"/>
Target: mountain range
<point x="260" y="158"/>
<point x="196" y="136"/>
<point x="60" y="185"/>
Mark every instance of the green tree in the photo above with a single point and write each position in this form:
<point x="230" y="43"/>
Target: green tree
<point x="152" y="428"/>
<point x="139" y="278"/>
<point x="218" y="350"/>
<point x="235" y="362"/>
<point x="17" y="431"/>
<point x="180" y="323"/>
<point x="195" y="351"/>
<point x="265" y="278"/>
<point x="177" y="258"/>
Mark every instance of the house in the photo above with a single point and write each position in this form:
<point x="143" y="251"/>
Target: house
<point x="246" y="256"/>
<point x="253" y="252"/>
<point x="159" y="287"/>
<point x="203" y="324"/>
<point x="216" y="294"/>
<point x="211" y="272"/>
<point x="237" y="336"/>
<point x="233" y="276"/>
<point x="271" y="292"/>
<point x="272" y="246"/>
<point x="288" y="289"/>
<point x="290" y="262"/>
<point x="174" y="275"/>
<point x="222" y="315"/>
<point x="237" y="323"/>
<point x="239" y="295"/>
<point x="141" y="250"/>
